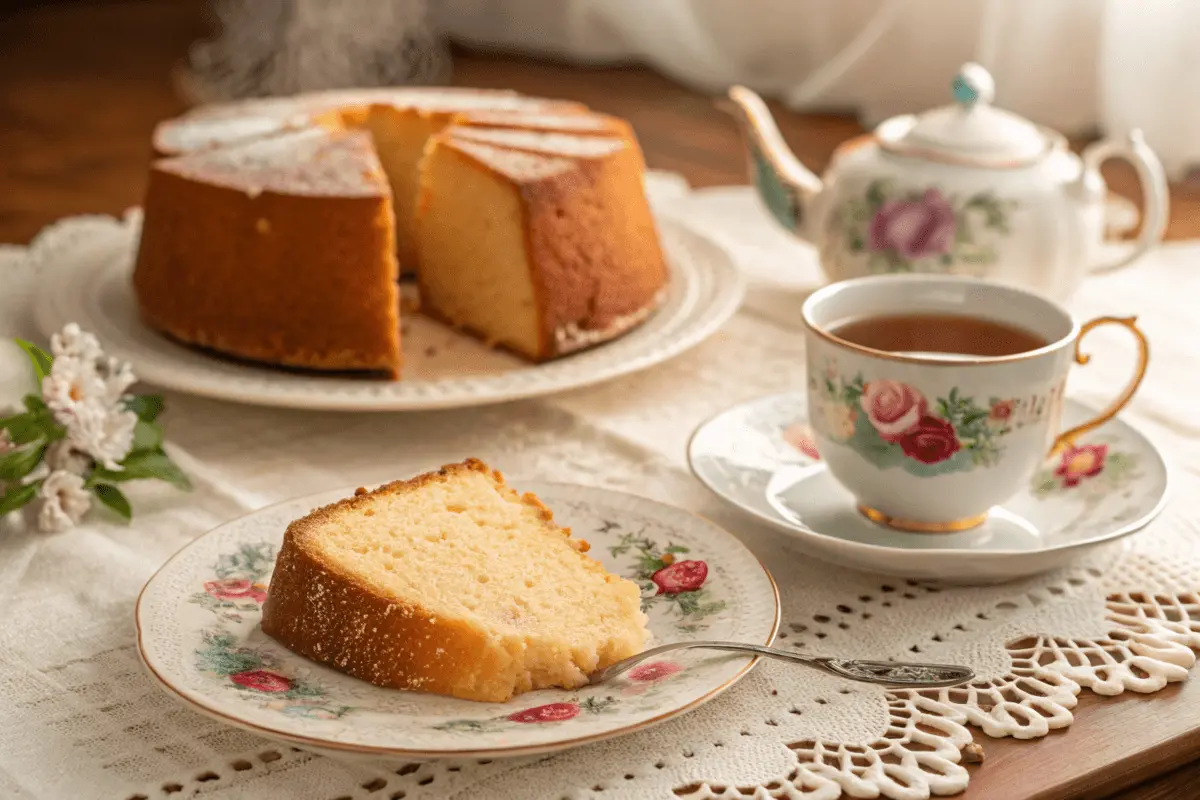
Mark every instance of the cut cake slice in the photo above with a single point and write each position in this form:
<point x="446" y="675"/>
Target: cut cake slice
<point x="543" y="243"/>
<point x="450" y="583"/>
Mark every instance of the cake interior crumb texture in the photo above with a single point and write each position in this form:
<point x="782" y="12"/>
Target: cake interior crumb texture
<point x="450" y="583"/>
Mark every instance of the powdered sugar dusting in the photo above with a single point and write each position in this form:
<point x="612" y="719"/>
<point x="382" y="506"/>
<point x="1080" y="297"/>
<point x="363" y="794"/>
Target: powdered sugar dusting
<point x="231" y="123"/>
<point x="310" y="161"/>
<point x="201" y="133"/>
<point x="515" y="164"/>
<point x="539" y="141"/>
<point x="541" y="121"/>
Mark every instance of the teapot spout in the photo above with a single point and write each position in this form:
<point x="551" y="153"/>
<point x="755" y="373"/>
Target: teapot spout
<point x="785" y="185"/>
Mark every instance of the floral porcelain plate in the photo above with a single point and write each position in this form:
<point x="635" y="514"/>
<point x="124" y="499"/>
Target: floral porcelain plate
<point x="199" y="635"/>
<point x="760" y="457"/>
<point x="87" y="281"/>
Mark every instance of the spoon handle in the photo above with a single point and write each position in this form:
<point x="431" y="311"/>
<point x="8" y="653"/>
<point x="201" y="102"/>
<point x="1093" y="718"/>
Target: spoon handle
<point x="898" y="674"/>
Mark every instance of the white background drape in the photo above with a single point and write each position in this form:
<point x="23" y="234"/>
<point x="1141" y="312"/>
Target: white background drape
<point x="1080" y="66"/>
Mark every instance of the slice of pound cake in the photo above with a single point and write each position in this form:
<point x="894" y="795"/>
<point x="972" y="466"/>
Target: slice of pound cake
<point x="450" y="583"/>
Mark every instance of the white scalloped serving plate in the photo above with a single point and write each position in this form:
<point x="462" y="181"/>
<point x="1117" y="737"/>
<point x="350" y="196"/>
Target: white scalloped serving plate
<point x="87" y="281"/>
<point x="199" y="636"/>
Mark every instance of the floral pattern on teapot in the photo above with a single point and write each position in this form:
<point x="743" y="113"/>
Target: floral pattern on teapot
<point x="922" y="231"/>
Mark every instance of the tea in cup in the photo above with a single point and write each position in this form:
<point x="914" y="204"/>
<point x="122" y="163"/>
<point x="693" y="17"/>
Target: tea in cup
<point x="933" y="398"/>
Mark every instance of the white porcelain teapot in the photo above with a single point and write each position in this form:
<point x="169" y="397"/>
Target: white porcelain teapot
<point x="965" y="189"/>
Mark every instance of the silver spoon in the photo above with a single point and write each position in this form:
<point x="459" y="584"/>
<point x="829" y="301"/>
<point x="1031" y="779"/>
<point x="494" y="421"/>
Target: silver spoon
<point x="889" y="673"/>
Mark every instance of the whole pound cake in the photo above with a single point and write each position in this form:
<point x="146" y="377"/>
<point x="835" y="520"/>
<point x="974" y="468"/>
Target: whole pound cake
<point x="450" y="583"/>
<point x="286" y="264"/>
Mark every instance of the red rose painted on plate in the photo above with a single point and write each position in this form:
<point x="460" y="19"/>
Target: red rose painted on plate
<point x="800" y="437"/>
<point x="930" y="441"/>
<point x="236" y="589"/>
<point x="893" y="407"/>
<point x="1081" y="462"/>
<point x="552" y="712"/>
<point x="682" y="576"/>
<point x="261" y="680"/>
<point x="914" y="228"/>
<point x="654" y="671"/>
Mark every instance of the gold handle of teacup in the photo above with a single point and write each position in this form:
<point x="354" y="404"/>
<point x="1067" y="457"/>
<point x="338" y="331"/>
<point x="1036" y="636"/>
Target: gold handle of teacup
<point x="1067" y="438"/>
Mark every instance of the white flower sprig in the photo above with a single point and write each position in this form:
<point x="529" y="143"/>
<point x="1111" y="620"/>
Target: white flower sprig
<point x="83" y="434"/>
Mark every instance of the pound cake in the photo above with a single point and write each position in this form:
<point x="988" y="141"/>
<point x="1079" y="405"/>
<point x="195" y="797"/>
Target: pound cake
<point x="227" y="264"/>
<point x="542" y="243"/>
<point x="450" y="583"/>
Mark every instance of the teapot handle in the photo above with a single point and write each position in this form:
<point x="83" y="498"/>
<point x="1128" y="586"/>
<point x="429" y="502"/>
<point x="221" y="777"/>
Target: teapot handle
<point x="1133" y="148"/>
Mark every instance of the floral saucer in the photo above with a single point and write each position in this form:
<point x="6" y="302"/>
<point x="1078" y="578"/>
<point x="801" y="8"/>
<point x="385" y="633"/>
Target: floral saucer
<point x="199" y="636"/>
<point x="759" y="457"/>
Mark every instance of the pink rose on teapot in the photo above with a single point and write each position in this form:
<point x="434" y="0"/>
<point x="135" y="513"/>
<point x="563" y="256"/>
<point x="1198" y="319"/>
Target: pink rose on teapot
<point x="914" y="228"/>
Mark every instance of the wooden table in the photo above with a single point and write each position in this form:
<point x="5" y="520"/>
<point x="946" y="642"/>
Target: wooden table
<point x="82" y="85"/>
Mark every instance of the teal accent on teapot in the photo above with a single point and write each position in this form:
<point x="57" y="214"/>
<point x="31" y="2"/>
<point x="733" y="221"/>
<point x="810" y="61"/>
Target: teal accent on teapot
<point x="777" y="196"/>
<point x="964" y="93"/>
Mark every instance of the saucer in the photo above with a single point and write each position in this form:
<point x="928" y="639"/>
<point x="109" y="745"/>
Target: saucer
<point x="199" y="635"/>
<point x="759" y="457"/>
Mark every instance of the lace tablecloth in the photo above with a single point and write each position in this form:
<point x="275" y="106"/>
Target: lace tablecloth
<point x="81" y="720"/>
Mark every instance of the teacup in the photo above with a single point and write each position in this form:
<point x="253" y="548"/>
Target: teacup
<point x="928" y="436"/>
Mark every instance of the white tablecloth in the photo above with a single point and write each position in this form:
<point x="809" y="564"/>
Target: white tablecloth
<point x="79" y="719"/>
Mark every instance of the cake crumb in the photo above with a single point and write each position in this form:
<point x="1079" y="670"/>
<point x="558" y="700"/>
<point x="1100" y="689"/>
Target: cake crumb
<point x="972" y="754"/>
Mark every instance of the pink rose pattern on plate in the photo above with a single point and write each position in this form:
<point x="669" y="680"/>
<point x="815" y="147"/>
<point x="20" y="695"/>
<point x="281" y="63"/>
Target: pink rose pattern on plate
<point x="257" y="672"/>
<point x="801" y="438"/>
<point x="922" y="229"/>
<point x="238" y="583"/>
<point x="641" y="678"/>
<point x="236" y="589"/>
<point x="1087" y="472"/>
<point x="667" y="578"/>
<point x="653" y="671"/>
<point x="896" y="425"/>
<point x="547" y="714"/>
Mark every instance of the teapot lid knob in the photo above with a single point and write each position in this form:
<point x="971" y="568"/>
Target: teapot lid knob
<point x="973" y="85"/>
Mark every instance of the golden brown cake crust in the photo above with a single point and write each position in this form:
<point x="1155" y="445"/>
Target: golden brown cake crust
<point x="300" y="276"/>
<point x="597" y="264"/>
<point x="316" y="610"/>
<point x="322" y="294"/>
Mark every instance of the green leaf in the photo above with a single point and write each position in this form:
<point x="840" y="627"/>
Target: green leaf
<point x="28" y="427"/>
<point x="151" y="464"/>
<point x="876" y="193"/>
<point x="35" y="403"/>
<point x="147" y="436"/>
<point x="961" y="461"/>
<point x="675" y="548"/>
<point x="18" y="496"/>
<point x="112" y="497"/>
<point x="648" y="565"/>
<point x="974" y="416"/>
<point x="40" y="358"/>
<point x="19" y="463"/>
<point x="146" y="406"/>
<point x="868" y="444"/>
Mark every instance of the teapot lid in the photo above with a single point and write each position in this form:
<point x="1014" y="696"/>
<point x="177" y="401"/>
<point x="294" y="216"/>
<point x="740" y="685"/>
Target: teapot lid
<point x="972" y="132"/>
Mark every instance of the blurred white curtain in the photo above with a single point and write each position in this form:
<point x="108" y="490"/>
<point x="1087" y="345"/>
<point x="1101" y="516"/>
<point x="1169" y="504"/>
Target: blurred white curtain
<point x="1076" y="65"/>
